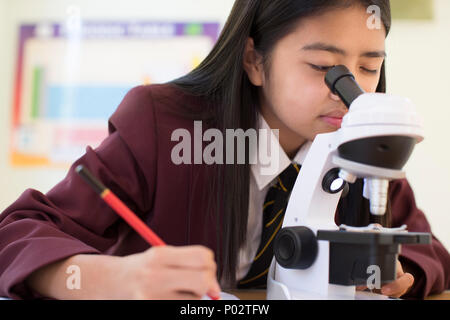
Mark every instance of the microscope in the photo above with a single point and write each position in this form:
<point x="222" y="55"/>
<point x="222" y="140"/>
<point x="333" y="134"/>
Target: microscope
<point x="313" y="257"/>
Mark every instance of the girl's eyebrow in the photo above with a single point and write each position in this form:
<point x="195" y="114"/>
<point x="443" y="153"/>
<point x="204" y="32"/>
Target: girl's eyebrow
<point x="320" y="46"/>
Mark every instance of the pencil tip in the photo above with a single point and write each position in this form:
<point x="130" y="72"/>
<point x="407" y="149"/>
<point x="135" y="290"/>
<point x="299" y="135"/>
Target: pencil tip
<point x="79" y="168"/>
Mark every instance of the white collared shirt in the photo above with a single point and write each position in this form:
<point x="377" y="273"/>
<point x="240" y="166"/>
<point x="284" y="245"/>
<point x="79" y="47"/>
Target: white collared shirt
<point x="259" y="186"/>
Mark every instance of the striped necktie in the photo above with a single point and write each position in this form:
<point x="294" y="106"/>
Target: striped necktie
<point x="273" y="213"/>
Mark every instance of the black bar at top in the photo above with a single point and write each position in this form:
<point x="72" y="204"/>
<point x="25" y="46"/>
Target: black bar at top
<point x="90" y="179"/>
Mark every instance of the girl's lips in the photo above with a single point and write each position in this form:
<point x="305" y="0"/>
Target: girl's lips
<point x="335" y="122"/>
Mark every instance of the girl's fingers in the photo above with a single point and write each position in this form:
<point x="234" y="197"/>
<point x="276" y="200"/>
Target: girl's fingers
<point x="191" y="281"/>
<point x="400" y="271"/>
<point x="196" y="257"/>
<point x="361" y="288"/>
<point x="186" y="296"/>
<point x="181" y="295"/>
<point x="399" y="287"/>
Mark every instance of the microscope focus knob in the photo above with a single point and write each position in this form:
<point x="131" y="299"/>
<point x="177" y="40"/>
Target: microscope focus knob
<point x="332" y="181"/>
<point x="295" y="247"/>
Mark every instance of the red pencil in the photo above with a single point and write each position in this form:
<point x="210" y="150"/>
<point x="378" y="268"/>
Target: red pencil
<point x="121" y="209"/>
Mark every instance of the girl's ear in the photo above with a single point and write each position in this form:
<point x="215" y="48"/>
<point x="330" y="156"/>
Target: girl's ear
<point x="252" y="64"/>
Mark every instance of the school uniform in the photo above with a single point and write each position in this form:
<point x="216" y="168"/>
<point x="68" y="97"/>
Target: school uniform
<point x="134" y="161"/>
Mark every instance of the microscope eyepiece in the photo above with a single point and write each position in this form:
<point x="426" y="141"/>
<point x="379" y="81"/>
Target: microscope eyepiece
<point x="342" y="82"/>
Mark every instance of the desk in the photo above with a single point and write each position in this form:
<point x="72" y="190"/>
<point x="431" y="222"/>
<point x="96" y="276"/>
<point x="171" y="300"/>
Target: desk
<point x="443" y="296"/>
<point x="261" y="295"/>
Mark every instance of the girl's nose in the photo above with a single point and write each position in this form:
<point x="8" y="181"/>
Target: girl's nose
<point x="334" y="97"/>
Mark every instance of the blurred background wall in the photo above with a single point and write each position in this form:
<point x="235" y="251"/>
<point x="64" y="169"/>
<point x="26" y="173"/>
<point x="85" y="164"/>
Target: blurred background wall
<point x="417" y="66"/>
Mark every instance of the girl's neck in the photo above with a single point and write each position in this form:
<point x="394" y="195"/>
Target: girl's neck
<point x="290" y="141"/>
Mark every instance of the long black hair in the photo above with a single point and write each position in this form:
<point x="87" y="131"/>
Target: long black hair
<point x="233" y="104"/>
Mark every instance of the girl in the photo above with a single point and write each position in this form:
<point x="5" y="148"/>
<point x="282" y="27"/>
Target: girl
<point x="266" y="71"/>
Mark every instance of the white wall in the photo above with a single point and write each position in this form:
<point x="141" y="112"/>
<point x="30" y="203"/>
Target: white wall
<point x="417" y="68"/>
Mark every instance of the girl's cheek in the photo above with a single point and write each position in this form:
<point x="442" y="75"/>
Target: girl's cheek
<point x="293" y="96"/>
<point x="312" y="96"/>
<point x="368" y="84"/>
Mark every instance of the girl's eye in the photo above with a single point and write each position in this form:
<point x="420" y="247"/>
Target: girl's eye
<point x="320" y="68"/>
<point x="327" y="68"/>
<point x="369" y="71"/>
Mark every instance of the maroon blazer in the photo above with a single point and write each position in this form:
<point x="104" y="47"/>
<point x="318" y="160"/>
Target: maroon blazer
<point x="134" y="161"/>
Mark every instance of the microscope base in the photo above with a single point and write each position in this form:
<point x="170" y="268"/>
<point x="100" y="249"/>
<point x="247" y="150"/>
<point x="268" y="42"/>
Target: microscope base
<point x="279" y="291"/>
<point x="355" y="256"/>
<point x="350" y="258"/>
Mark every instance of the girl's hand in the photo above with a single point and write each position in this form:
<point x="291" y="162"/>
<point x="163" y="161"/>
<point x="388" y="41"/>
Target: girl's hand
<point x="397" y="288"/>
<point x="170" y="273"/>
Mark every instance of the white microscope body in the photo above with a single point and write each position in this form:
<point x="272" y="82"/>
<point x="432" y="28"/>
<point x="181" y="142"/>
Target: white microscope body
<point x="372" y="118"/>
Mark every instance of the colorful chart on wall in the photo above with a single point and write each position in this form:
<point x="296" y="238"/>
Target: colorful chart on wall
<point x="68" y="83"/>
